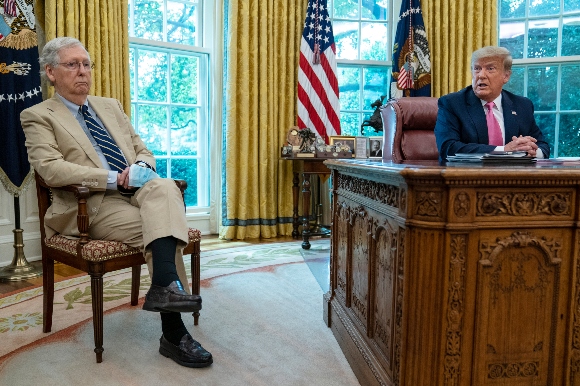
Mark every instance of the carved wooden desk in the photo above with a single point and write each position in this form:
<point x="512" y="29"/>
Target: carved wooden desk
<point x="456" y="275"/>
<point x="306" y="167"/>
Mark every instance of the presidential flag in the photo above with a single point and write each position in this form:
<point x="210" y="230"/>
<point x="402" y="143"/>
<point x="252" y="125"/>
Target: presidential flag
<point x="318" y="105"/>
<point x="19" y="89"/>
<point x="411" y="72"/>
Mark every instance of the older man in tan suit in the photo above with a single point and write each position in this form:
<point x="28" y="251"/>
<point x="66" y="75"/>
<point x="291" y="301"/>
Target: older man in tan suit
<point x="74" y="138"/>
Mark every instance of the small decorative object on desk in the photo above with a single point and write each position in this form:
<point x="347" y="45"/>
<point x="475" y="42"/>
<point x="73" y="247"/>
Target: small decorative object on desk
<point x="332" y="151"/>
<point x="361" y="149"/>
<point x="303" y="143"/>
<point x="343" y="144"/>
<point x="307" y="147"/>
<point x="375" y="147"/>
<point x="287" y="151"/>
<point x="293" y="139"/>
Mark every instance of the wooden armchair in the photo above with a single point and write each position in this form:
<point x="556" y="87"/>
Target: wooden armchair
<point x="96" y="257"/>
<point x="409" y="129"/>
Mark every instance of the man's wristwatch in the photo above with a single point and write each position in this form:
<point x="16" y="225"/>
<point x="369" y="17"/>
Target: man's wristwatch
<point x="144" y="165"/>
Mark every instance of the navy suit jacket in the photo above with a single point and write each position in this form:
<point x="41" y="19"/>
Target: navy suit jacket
<point x="461" y="126"/>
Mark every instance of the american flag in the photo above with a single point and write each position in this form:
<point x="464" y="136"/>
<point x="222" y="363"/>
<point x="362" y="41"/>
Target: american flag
<point x="405" y="77"/>
<point x="318" y="104"/>
<point x="411" y="71"/>
<point x="10" y="7"/>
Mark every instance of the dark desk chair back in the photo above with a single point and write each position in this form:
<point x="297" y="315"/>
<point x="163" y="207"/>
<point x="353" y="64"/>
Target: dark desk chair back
<point x="408" y="129"/>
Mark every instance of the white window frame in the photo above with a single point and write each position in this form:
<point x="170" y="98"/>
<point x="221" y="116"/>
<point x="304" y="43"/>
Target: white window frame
<point x="204" y="218"/>
<point x="394" y="7"/>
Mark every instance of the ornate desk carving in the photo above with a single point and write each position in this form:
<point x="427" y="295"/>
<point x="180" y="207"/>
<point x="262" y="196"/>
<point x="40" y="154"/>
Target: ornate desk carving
<point x="456" y="275"/>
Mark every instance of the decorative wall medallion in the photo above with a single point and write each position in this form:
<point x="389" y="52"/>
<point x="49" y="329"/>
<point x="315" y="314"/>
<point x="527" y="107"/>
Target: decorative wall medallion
<point x="455" y="309"/>
<point x="521" y="263"/>
<point x="524" y="204"/>
<point x="428" y="204"/>
<point x="513" y="370"/>
<point x="461" y="205"/>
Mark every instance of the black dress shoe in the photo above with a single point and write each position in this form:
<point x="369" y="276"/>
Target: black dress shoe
<point x="172" y="298"/>
<point x="189" y="353"/>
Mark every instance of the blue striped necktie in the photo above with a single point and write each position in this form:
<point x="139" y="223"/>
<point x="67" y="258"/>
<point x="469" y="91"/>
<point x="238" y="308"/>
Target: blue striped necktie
<point x="107" y="144"/>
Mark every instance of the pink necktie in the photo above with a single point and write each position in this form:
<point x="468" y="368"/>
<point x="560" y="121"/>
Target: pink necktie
<point x="493" y="129"/>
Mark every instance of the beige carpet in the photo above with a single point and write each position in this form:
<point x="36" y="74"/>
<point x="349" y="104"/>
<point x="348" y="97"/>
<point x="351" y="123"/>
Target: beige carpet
<point x="262" y="321"/>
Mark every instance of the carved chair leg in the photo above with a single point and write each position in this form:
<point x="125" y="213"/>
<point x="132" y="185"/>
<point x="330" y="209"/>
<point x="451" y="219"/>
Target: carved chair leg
<point x="97" y="300"/>
<point x="195" y="275"/>
<point x="48" y="293"/>
<point x="135" y="281"/>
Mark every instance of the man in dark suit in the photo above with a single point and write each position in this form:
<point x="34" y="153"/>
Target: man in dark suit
<point x="75" y="138"/>
<point x="483" y="117"/>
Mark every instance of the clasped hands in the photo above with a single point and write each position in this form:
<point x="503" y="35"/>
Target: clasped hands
<point x="135" y="176"/>
<point x="522" y="143"/>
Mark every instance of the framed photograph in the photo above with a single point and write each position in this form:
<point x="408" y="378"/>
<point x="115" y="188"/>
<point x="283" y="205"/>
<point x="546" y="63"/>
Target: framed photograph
<point x="339" y="140"/>
<point x="361" y="147"/>
<point x="375" y="147"/>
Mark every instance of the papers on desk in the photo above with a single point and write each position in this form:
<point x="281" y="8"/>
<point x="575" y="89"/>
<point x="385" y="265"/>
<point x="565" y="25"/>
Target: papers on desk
<point x="494" y="158"/>
<point x="472" y="157"/>
<point x="567" y="159"/>
<point x="574" y="161"/>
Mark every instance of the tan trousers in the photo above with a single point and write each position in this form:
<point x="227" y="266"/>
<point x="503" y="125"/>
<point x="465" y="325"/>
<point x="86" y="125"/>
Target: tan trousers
<point x="156" y="210"/>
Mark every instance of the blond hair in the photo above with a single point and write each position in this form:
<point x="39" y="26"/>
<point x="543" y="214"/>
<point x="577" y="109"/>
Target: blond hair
<point x="493" y="52"/>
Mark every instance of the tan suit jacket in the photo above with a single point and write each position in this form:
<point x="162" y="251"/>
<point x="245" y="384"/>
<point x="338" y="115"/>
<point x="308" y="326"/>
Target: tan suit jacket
<point x="60" y="151"/>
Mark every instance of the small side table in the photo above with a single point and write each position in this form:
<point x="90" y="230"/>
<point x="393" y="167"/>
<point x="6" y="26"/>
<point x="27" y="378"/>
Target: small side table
<point x="306" y="167"/>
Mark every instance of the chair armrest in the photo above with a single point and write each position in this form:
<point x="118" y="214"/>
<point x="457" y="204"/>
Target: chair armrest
<point x="181" y="184"/>
<point x="82" y="194"/>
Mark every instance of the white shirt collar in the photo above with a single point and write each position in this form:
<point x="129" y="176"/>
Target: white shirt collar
<point x="497" y="102"/>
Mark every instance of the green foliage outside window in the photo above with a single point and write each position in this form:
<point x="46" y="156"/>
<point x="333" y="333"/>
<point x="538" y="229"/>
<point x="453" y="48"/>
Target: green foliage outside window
<point x="165" y="90"/>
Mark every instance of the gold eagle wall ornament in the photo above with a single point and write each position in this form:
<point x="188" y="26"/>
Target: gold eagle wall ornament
<point x="17" y="26"/>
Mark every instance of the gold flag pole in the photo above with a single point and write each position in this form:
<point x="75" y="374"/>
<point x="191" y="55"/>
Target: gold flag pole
<point x="19" y="269"/>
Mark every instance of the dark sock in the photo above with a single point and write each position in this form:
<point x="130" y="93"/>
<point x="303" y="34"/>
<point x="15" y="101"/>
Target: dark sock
<point x="173" y="327"/>
<point x="164" y="271"/>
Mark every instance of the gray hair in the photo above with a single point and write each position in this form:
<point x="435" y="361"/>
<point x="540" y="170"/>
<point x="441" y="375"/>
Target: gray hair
<point x="50" y="53"/>
<point x="493" y="52"/>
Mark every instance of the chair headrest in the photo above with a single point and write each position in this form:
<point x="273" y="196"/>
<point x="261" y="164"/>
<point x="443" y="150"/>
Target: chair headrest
<point x="416" y="113"/>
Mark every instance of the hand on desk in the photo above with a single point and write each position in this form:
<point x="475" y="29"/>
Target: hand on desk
<point x="521" y="143"/>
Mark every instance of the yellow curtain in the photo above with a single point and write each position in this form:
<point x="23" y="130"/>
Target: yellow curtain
<point x="102" y="26"/>
<point x="263" y="40"/>
<point x="455" y="29"/>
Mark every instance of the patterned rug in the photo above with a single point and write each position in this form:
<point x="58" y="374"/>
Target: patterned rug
<point x="21" y="312"/>
<point x="261" y="320"/>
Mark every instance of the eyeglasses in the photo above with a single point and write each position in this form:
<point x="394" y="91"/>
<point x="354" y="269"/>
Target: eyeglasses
<point x="74" y="66"/>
